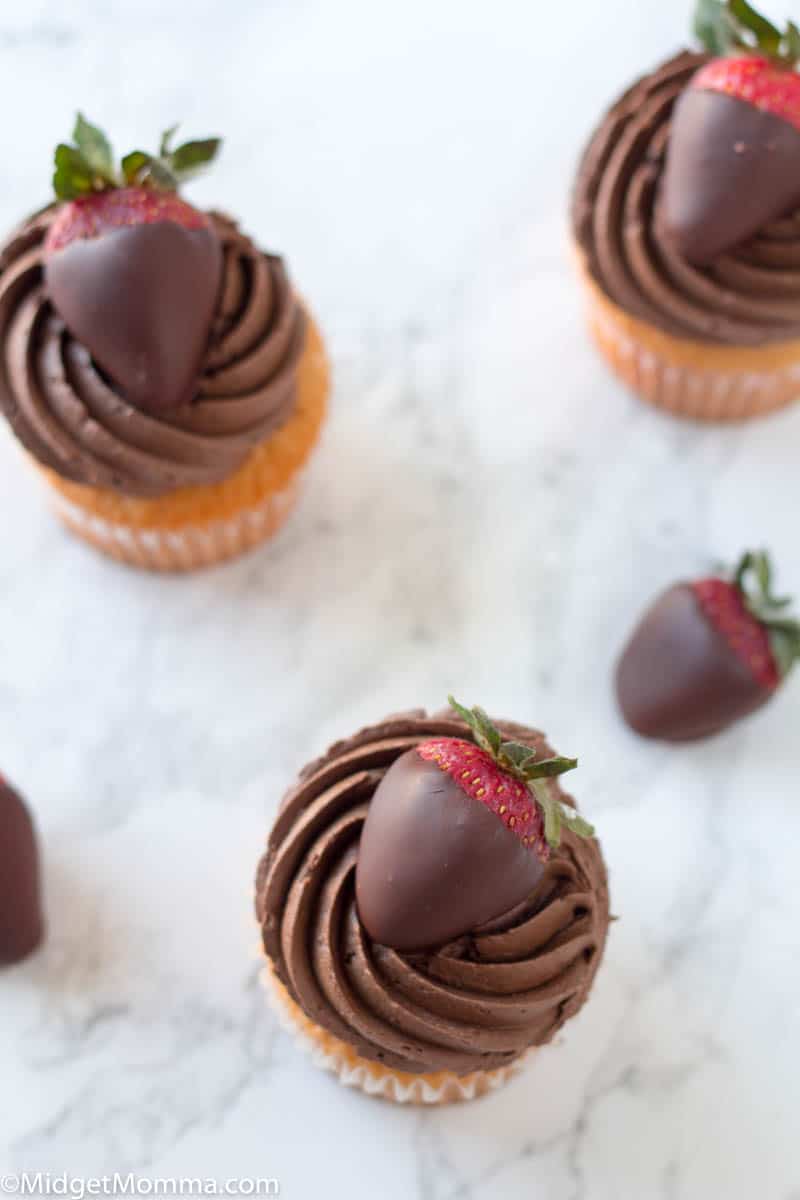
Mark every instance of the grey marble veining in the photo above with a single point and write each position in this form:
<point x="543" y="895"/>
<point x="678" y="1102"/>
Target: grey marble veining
<point x="487" y="514"/>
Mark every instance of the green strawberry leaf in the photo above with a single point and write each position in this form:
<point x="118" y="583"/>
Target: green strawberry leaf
<point x="134" y="166"/>
<point x="785" y="649"/>
<point x="725" y="26"/>
<point x="480" y="740"/>
<point x="194" y="156"/>
<point x="552" y="817"/>
<point x="488" y="731"/>
<point x="758" y="563"/>
<point x="516" y="755"/>
<point x="482" y="729"/>
<point x="161" y="175"/>
<point x="763" y="570"/>
<point x="521" y="762"/>
<point x="576" y="824"/>
<point x="73" y="174"/>
<point x="755" y="568"/>
<point x="712" y="26"/>
<point x="557" y="815"/>
<point x="548" y="768"/>
<point x="768" y="36"/>
<point x="784" y="640"/>
<point x="95" y="147"/>
<point x="552" y="825"/>
<point x="88" y="165"/>
<point x="460" y="710"/>
<point x="165" y="146"/>
<point x="792" y="43"/>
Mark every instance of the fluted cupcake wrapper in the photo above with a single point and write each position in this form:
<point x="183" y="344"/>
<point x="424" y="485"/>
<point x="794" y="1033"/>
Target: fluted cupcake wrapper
<point x="203" y="525"/>
<point x="374" y="1079"/>
<point x="690" y="379"/>
<point x="187" y="548"/>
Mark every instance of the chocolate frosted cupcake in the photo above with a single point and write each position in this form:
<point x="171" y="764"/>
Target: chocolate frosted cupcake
<point x="431" y="905"/>
<point x="156" y="365"/>
<point x="686" y="218"/>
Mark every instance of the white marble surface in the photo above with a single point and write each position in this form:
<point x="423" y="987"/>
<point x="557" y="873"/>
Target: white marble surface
<point x="488" y="514"/>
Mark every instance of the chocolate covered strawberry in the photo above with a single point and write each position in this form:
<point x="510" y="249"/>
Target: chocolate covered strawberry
<point x="457" y="834"/>
<point x="131" y="268"/>
<point x="21" y="920"/>
<point x="733" y="163"/>
<point x="707" y="654"/>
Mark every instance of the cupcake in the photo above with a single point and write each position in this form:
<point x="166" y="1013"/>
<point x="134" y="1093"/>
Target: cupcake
<point x="158" y="368"/>
<point x="431" y="905"/>
<point x="686" y="221"/>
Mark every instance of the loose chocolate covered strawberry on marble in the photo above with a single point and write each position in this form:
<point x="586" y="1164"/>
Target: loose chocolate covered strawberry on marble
<point x="733" y="163"/>
<point x="132" y="269"/>
<point x="21" y="921"/>
<point x="707" y="654"/>
<point x="457" y="834"/>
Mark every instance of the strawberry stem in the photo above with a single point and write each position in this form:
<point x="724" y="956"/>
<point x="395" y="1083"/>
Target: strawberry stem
<point x="88" y="164"/>
<point x="521" y="762"/>
<point x="734" y="27"/>
<point x="754" y="579"/>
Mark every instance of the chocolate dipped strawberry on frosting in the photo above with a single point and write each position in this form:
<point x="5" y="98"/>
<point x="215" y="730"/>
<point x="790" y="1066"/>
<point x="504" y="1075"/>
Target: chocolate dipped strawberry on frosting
<point x="687" y="203"/>
<point x="145" y="345"/>
<point x="431" y="897"/>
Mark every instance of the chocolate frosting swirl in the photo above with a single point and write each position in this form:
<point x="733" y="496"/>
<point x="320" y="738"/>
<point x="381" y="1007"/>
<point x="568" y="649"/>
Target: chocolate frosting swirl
<point x="748" y="297"/>
<point x="70" y="416"/>
<point x="476" y="1003"/>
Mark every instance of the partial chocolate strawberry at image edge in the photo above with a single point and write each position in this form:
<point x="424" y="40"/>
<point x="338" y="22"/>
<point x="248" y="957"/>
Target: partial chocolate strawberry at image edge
<point x="733" y="161"/>
<point x="131" y="268"/>
<point x="457" y="834"/>
<point x="707" y="654"/>
<point x="21" y="919"/>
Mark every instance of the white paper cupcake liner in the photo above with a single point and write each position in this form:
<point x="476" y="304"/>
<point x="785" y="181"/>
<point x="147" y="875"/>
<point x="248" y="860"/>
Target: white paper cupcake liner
<point x="374" y="1079"/>
<point x="701" y="395"/>
<point x="697" y="390"/>
<point x="186" y="548"/>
